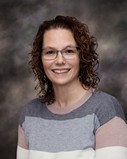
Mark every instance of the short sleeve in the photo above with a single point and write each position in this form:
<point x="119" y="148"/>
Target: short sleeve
<point x="28" y="110"/>
<point x="22" y="115"/>
<point x="111" y="134"/>
<point x="108" y="108"/>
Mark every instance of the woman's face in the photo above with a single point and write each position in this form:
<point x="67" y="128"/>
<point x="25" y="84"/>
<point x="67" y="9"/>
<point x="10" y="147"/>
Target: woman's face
<point x="61" y="70"/>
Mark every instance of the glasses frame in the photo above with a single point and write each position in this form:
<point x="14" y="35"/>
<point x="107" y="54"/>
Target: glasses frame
<point x="60" y="51"/>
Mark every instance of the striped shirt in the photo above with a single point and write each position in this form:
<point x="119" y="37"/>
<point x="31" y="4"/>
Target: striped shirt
<point x="95" y="129"/>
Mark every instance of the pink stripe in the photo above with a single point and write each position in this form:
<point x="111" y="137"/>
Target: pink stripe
<point x="113" y="133"/>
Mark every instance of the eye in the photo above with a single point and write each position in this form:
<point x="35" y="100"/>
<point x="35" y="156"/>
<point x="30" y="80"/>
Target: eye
<point x="49" y="52"/>
<point x="70" y="51"/>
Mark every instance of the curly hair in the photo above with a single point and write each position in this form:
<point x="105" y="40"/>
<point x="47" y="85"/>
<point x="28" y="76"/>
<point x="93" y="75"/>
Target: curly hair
<point x="88" y="56"/>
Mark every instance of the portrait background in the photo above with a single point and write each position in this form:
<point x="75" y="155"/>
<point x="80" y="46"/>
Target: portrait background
<point x="19" y="22"/>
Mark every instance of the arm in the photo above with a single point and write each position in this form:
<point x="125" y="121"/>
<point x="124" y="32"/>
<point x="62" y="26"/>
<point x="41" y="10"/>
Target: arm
<point x="22" y="148"/>
<point x="111" y="140"/>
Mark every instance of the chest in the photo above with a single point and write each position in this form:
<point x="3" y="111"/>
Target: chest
<point x="60" y="135"/>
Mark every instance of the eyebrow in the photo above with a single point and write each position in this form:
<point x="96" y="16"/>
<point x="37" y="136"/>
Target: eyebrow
<point x="49" y="47"/>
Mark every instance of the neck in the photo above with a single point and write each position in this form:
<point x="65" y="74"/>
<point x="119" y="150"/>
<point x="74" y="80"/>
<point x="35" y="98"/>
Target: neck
<point x="68" y="95"/>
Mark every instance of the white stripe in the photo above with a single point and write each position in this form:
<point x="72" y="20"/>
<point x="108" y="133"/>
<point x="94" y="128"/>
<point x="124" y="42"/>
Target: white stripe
<point x="114" y="152"/>
<point x="22" y="153"/>
<point x="78" y="154"/>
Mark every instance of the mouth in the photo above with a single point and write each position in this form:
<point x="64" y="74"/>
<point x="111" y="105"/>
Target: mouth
<point x="61" y="71"/>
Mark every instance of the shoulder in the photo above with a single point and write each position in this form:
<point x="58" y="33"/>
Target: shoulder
<point x="107" y="107"/>
<point x="32" y="106"/>
<point x="103" y="97"/>
<point x="31" y="109"/>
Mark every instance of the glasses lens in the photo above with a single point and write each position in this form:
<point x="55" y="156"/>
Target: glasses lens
<point x="70" y="52"/>
<point x="49" y="54"/>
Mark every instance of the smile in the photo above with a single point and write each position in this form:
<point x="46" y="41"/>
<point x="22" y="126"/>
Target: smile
<point x="59" y="71"/>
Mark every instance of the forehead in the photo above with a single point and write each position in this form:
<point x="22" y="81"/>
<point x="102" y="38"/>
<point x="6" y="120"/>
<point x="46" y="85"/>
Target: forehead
<point x="58" y="37"/>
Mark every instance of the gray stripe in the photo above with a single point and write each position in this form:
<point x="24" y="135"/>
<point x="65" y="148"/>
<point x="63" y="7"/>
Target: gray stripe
<point x="55" y="136"/>
<point x="103" y="105"/>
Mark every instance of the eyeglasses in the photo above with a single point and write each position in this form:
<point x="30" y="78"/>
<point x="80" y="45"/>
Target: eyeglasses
<point x="67" y="53"/>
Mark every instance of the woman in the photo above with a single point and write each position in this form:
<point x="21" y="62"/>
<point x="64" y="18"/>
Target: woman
<point x="71" y="118"/>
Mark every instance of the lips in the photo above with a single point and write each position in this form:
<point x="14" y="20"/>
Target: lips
<point x="60" y="71"/>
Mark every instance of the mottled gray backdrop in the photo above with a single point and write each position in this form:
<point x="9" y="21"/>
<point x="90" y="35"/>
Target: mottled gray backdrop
<point x="19" y="21"/>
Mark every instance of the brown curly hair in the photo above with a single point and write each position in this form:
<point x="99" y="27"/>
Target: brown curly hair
<point x="88" y="56"/>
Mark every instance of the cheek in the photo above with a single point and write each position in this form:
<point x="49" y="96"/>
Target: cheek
<point x="76" y="63"/>
<point x="46" y="66"/>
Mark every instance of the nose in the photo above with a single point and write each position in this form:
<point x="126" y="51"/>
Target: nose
<point x="60" y="58"/>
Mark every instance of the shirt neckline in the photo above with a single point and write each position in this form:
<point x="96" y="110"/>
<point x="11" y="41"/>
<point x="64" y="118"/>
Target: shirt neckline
<point x="83" y="104"/>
